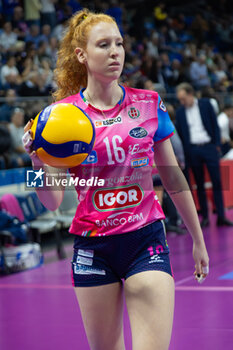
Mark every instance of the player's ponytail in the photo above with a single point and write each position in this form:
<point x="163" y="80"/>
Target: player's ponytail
<point x="70" y="74"/>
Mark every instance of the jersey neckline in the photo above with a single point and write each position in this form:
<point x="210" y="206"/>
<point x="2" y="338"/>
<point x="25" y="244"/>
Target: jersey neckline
<point x="120" y="102"/>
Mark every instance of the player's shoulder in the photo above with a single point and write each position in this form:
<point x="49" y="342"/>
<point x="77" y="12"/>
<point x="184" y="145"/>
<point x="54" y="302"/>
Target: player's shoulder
<point x="73" y="99"/>
<point x="141" y="94"/>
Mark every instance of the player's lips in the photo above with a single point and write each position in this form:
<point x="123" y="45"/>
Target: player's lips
<point x="114" y="64"/>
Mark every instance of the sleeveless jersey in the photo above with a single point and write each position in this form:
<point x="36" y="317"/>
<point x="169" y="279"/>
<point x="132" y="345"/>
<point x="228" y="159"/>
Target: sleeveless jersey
<point x="123" y="157"/>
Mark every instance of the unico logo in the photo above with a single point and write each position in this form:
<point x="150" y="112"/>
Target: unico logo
<point x="116" y="198"/>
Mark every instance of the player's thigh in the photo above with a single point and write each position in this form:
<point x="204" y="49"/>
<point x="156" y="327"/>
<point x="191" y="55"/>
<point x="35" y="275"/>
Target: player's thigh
<point x="150" y="303"/>
<point x="102" y="313"/>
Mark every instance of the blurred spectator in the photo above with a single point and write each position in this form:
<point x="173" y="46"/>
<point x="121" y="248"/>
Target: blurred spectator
<point x="41" y="53"/>
<point x="152" y="45"/>
<point x="27" y="66"/>
<point x="48" y="13"/>
<point x="7" y="108"/>
<point x="32" y="10"/>
<point x="190" y="50"/>
<point x="166" y="69"/>
<point x="223" y="123"/>
<point x="59" y="30"/>
<point x="16" y="131"/>
<point x="132" y="67"/>
<point x="8" y="7"/>
<point x="34" y="35"/>
<point x="199" y="72"/>
<point x="45" y="33"/>
<point x="115" y="10"/>
<point x="8" y="38"/>
<point x="46" y="74"/>
<point x="149" y="85"/>
<point x="19" y="25"/>
<point x="152" y="69"/>
<point x="165" y="39"/>
<point x="199" y="29"/>
<point x="51" y="51"/>
<point x="34" y="85"/>
<point x="64" y="10"/>
<point x="218" y="73"/>
<point x="197" y="126"/>
<point x="160" y="13"/>
<point x="74" y="5"/>
<point x="10" y="77"/>
<point x="5" y="144"/>
<point x="30" y="51"/>
<point x="208" y="92"/>
<point x="224" y="31"/>
<point x="178" y="74"/>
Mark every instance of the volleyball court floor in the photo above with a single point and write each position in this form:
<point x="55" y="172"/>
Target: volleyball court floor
<point x="39" y="311"/>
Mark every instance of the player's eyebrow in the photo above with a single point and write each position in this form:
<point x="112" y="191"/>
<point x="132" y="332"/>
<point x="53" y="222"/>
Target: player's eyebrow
<point x="107" y="38"/>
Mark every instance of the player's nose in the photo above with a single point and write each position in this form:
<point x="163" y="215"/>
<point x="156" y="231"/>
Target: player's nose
<point x="114" y="51"/>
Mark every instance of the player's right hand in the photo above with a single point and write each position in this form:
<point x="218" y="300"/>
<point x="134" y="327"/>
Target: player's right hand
<point x="27" y="143"/>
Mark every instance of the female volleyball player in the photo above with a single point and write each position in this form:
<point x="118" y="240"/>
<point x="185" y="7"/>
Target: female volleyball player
<point x="119" y="232"/>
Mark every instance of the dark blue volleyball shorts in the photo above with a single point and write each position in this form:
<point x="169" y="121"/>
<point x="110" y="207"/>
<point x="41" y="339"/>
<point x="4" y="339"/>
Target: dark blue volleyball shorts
<point x="108" y="259"/>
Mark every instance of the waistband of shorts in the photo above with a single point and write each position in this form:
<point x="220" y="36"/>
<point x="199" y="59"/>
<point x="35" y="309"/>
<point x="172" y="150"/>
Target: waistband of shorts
<point x="142" y="230"/>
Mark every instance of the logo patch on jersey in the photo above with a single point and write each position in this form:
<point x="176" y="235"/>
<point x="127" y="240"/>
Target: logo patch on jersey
<point x="133" y="113"/>
<point x="117" y="198"/>
<point x="139" y="162"/>
<point x="108" y="122"/>
<point x="138" y="132"/>
<point x="91" y="159"/>
<point x="162" y="106"/>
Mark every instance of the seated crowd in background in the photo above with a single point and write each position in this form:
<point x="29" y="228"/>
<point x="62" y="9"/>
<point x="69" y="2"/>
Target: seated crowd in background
<point x="164" y="45"/>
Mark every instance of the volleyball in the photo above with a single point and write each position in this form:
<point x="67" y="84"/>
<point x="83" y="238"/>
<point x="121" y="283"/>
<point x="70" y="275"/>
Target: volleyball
<point x="63" y="135"/>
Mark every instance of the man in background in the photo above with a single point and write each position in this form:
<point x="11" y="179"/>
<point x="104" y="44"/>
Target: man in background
<point x="196" y="123"/>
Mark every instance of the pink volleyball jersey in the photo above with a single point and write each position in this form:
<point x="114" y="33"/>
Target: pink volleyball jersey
<point x="122" y="157"/>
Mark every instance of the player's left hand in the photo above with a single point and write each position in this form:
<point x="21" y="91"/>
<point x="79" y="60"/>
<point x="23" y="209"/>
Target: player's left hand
<point x="201" y="259"/>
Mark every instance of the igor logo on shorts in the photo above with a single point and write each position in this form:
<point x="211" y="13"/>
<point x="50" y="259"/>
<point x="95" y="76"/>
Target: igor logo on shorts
<point x="116" y="198"/>
<point x="138" y="132"/>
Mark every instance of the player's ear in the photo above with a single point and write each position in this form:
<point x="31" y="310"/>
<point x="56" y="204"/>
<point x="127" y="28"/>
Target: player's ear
<point x="80" y="55"/>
